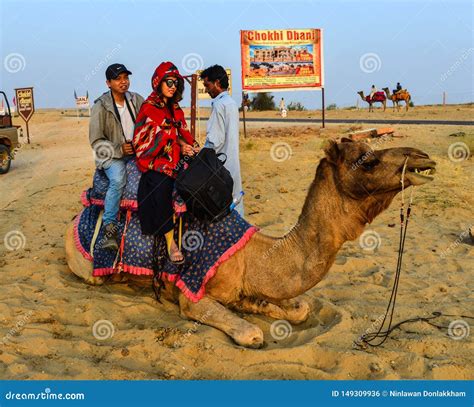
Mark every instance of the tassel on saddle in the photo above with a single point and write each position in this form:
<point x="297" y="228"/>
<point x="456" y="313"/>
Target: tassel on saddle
<point x="160" y="251"/>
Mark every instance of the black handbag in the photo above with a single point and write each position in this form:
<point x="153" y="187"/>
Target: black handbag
<point x="206" y="186"/>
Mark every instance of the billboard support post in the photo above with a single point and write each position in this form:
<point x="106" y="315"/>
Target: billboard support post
<point x="323" y="108"/>
<point x="243" y="114"/>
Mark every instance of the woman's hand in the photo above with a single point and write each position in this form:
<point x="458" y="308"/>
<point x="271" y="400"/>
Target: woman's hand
<point x="187" y="149"/>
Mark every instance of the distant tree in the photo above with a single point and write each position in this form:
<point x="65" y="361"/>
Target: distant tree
<point x="411" y="104"/>
<point x="263" y="101"/>
<point x="296" y="106"/>
<point x="332" y="106"/>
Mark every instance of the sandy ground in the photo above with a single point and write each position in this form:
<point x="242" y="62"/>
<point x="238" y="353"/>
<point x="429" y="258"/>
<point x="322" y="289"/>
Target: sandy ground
<point x="47" y="314"/>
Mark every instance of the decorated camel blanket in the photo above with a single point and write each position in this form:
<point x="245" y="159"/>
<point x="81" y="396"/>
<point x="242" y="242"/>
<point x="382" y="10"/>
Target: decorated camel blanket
<point x="205" y="245"/>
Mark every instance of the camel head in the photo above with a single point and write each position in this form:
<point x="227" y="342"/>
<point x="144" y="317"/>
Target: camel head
<point x="387" y="92"/>
<point x="361" y="94"/>
<point x="374" y="176"/>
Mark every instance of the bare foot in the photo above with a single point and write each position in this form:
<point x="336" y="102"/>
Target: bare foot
<point x="176" y="256"/>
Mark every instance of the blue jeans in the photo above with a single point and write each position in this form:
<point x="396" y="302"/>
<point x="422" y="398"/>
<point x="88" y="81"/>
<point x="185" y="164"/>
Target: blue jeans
<point x="117" y="179"/>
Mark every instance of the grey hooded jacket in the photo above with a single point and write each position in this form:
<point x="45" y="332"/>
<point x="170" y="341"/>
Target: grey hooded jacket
<point x="105" y="131"/>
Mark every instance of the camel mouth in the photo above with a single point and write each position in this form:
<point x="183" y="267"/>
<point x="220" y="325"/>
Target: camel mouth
<point x="420" y="173"/>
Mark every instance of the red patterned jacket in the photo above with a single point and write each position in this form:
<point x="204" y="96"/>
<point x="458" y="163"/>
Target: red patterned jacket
<point x="157" y="129"/>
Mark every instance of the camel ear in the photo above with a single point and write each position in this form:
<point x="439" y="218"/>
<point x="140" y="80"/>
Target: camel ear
<point x="333" y="154"/>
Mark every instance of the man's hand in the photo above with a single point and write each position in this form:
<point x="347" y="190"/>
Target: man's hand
<point x="127" y="148"/>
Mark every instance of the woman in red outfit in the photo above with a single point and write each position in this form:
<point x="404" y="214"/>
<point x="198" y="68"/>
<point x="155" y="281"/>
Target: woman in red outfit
<point x="160" y="140"/>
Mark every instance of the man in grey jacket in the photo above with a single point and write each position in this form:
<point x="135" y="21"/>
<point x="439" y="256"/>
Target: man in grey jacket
<point x="110" y="134"/>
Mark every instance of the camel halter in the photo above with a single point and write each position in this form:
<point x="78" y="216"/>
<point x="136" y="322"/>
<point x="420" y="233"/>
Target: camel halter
<point x="370" y="337"/>
<point x="375" y="339"/>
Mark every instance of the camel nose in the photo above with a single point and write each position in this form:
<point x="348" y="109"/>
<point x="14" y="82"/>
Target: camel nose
<point x="415" y="153"/>
<point x="420" y="154"/>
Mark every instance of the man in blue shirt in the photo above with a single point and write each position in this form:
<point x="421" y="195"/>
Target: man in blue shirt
<point x="223" y="125"/>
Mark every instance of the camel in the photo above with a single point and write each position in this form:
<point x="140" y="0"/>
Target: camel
<point x="379" y="97"/>
<point x="398" y="97"/>
<point x="352" y="185"/>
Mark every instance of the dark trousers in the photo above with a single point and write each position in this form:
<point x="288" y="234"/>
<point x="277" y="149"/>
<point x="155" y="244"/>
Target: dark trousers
<point x="155" y="204"/>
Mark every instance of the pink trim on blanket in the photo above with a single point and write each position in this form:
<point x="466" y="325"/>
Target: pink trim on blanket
<point x="130" y="204"/>
<point x="77" y="240"/>
<point x="125" y="268"/>
<point x="195" y="297"/>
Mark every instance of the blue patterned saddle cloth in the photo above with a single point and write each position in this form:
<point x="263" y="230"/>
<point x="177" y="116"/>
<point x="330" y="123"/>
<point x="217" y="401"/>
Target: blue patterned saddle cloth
<point x="205" y="245"/>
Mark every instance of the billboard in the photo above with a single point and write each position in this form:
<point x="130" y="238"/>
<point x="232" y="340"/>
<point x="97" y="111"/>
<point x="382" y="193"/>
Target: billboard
<point x="274" y="60"/>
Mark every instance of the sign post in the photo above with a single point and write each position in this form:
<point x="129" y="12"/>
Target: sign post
<point x="193" y="81"/>
<point x="25" y="106"/>
<point x="82" y="102"/>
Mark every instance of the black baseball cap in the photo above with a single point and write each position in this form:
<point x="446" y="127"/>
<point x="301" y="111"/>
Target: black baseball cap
<point x="115" y="70"/>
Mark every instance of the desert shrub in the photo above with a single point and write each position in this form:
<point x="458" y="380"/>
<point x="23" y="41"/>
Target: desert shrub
<point x="263" y="101"/>
<point x="296" y="106"/>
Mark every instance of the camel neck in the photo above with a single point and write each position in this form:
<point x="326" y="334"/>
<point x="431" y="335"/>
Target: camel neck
<point x="326" y="221"/>
<point x="327" y="217"/>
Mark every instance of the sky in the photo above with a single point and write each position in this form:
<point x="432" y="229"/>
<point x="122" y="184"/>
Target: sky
<point x="61" y="46"/>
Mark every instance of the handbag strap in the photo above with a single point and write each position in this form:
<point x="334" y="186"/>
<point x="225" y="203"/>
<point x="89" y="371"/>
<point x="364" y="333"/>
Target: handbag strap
<point x="224" y="154"/>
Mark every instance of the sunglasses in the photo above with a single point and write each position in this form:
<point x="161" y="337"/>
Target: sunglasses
<point x="171" y="82"/>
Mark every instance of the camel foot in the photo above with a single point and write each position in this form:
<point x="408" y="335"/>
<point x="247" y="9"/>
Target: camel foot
<point x="250" y="337"/>
<point x="210" y="312"/>
<point x="295" y="311"/>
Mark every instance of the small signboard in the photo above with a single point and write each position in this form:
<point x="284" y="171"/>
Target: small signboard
<point x="25" y="106"/>
<point x="201" y="90"/>
<point x="82" y="102"/>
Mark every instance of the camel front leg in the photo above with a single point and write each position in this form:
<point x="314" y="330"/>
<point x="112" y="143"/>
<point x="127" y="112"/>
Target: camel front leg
<point x="210" y="312"/>
<point x="295" y="311"/>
